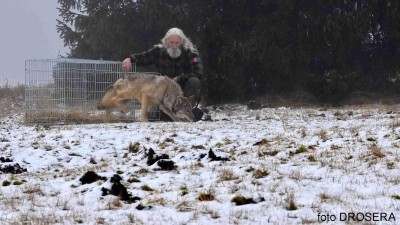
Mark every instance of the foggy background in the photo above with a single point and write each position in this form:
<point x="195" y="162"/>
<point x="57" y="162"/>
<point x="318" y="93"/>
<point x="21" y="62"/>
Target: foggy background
<point x="27" y="31"/>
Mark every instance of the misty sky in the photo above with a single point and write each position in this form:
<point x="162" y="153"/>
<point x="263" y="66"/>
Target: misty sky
<point x="27" y="31"/>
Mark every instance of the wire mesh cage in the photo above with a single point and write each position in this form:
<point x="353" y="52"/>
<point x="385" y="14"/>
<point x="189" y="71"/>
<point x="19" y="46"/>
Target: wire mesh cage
<point x="68" y="90"/>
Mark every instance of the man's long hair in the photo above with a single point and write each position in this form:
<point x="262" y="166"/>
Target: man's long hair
<point x="186" y="43"/>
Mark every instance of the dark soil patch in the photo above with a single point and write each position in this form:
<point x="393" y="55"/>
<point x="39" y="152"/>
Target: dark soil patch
<point x="142" y="207"/>
<point x="90" y="177"/>
<point x="153" y="158"/>
<point x="13" y="169"/>
<point x="6" y="166"/>
<point x="214" y="157"/>
<point x="253" y="105"/>
<point x="4" y="160"/>
<point x="241" y="200"/>
<point x="120" y="190"/>
<point x="166" y="164"/>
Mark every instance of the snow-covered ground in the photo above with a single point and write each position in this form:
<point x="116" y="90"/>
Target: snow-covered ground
<point x="293" y="166"/>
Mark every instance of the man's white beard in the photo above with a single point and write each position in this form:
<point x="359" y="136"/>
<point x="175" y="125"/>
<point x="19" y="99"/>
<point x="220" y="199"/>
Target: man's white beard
<point x="174" y="52"/>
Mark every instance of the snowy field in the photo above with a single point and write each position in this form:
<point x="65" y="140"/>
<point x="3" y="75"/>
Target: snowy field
<point x="270" y="166"/>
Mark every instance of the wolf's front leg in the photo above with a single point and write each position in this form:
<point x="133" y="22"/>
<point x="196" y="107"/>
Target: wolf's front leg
<point x="144" y="106"/>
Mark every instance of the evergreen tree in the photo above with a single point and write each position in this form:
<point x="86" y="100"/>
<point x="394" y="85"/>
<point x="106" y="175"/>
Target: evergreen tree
<point x="112" y="29"/>
<point x="251" y="48"/>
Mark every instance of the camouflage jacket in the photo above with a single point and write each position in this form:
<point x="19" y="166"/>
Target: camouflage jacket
<point x="187" y="65"/>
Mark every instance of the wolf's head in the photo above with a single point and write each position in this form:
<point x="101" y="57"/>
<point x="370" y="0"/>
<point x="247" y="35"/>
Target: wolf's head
<point x="115" y="97"/>
<point x="182" y="109"/>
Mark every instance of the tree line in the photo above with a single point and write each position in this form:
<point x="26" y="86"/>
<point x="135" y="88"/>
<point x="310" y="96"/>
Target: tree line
<point x="254" y="48"/>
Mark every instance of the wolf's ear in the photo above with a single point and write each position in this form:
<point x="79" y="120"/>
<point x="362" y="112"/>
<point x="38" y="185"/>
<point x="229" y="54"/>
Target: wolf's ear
<point x="179" y="100"/>
<point x="192" y="100"/>
<point x="120" y="84"/>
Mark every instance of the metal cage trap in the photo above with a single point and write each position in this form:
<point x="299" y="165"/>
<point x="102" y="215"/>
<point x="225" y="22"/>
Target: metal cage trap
<point x="68" y="90"/>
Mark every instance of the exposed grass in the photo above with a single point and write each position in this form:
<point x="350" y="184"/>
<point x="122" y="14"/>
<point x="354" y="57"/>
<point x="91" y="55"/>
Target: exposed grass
<point x="301" y="149"/>
<point x="11" y="99"/>
<point x="377" y="151"/>
<point x="207" y="195"/>
<point x="394" y="124"/>
<point x="227" y="175"/>
<point x="323" y="134"/>
<point x="260" y="173"/>
<point x="184" y="190"/>
<point x="303" y="132"/>
<point x="17" y="182"/>
<point x="146" y="188"/>
<point x="134" y="180"/>
<point x="157" y="200"/>
<point x="290" y="201"/>
<point x="185" y="206"/>
<point x="134" y="147"/>
<point x="13" y="92"/>
<point x="75" y="117"/>
<point x="397" y="197"/>
<point x="6" y="183"/>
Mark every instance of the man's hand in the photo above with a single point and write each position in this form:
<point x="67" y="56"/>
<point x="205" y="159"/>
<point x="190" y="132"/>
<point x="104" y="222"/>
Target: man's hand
<point x="127" y="64"/>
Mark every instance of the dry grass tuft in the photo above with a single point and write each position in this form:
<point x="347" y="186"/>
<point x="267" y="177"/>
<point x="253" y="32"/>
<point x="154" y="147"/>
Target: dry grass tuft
<point x="11" y="99"/>
<point x="301" y="149"/>
<point x="76" y="117"/>
<point x="394" y="124"/>
<point x="303" y="132"/>
<point x="146" y="188"/>
<point x="227" y="174"/>
<point x="133" y="180"/>
<point x="134" y="148"/>
<point x="207" y="195"/>
<point x="291" y="204"/>
<point x="213" y="214"/>
<point x="312" y="158"/>
<point x="6" y="183"/>
<point x="185" y="206"/>
<point x="377" y="151"/>
<point x="324" y="197"/>
<point x="133" y="219"/>
<point x="397" y="197"/>
<point x="157" y="201"/>
<point x="390" y="165"/>
<point x="323" y="134"/>
<point x="260" y="173"/>
<point x="262" y="154"/>
<point x="184" y="190"/>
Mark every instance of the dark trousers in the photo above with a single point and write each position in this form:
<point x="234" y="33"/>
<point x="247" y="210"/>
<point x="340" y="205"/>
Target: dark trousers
<point x="190" y="87"/>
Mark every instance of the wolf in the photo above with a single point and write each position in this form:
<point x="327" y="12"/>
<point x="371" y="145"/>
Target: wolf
<point x="149" y="90"/>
